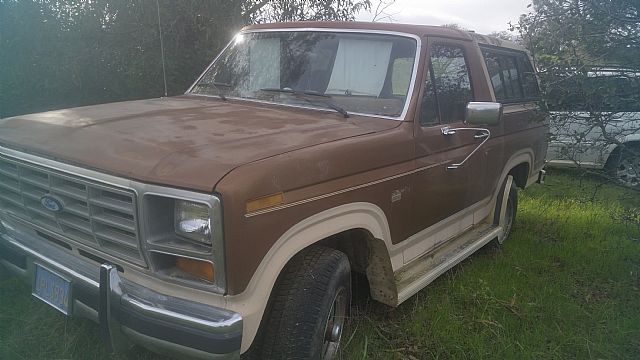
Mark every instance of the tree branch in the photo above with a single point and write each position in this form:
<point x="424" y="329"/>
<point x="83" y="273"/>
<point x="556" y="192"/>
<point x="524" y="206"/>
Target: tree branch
<point x="254" y="9"/>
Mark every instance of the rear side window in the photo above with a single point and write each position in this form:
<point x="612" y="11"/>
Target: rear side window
<point x="512" y="76"/>
<point x="529" y="81"/>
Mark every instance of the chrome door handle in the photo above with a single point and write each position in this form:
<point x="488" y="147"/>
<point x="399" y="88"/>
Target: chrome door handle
<point x="480" y="134"/>
<point x="448" y="131"/>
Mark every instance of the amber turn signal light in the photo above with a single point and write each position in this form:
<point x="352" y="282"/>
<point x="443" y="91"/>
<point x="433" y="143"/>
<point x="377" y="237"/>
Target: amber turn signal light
<point x="265" y="202"/>
<point x="198" y="268"/>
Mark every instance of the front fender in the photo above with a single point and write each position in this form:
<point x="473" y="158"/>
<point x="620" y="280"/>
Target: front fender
<point x="251" y="303"/>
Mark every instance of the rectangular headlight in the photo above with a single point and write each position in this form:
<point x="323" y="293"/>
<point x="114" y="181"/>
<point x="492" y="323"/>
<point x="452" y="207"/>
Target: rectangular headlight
<point x="193" y="221"/>
<point x="184" y="237"/>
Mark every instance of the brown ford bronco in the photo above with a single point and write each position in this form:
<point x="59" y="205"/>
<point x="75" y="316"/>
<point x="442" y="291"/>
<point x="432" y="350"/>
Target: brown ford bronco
<point x="228" y="220"/>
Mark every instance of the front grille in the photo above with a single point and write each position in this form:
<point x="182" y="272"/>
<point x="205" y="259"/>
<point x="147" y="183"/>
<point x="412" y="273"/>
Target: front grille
<point x="93" y="214"/>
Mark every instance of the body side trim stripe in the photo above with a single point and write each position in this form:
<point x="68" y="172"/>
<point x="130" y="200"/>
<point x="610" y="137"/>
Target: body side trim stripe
<point x="324" y="196"/>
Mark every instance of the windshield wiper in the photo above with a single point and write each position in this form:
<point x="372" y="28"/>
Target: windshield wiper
<point x="303" y="95"/>
<point x="216" y="85"/>
<point x="349" y="92"/>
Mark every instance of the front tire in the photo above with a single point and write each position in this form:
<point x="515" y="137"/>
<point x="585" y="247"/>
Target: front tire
<point x="309" y="307"/>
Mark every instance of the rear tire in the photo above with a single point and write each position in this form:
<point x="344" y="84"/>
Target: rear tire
<point x="624" y="166"/>
<point x="510" y="214"/>
<point x="308" y="309"/>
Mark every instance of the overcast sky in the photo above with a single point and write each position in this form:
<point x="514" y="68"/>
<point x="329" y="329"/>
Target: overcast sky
<point x="481" y="16"/>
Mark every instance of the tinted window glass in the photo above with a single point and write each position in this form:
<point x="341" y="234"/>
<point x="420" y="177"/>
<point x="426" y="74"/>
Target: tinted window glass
<point x="449" y="76"/>
<point x="512" y="76"/>
<point x="493" y="66"/>
<point x="528" y="78"/>
<point x="429" y="115"/>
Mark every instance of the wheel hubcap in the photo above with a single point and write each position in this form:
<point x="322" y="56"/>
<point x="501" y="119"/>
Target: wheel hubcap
<point x="336" y="333"/>
<point x="628" y="172"/>
<point x="335" y="325"/>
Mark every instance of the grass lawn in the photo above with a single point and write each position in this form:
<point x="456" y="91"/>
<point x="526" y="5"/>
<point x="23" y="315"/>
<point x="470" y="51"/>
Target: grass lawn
<point x="565" y="285"/>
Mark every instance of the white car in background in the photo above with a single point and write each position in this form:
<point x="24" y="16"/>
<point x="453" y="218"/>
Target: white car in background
<point x="595" y="123"/>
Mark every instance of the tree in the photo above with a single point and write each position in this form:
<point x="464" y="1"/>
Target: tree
<point x="381" y="12"/>
<point x="262" y="11"/>
<point x="588" y="52"/>
<point x="584" y="31"/>
<point x="506" y="35"/>
<point x="65" y="53"/>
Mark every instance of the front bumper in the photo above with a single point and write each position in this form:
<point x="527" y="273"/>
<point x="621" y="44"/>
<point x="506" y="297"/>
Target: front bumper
<point x="127" y="312"/>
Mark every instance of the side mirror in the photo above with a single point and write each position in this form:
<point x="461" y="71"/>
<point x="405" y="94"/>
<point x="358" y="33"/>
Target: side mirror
<point x="483" y="113"/>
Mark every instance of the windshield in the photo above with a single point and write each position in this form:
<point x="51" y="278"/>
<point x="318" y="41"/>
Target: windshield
<point x="360" y="73"/>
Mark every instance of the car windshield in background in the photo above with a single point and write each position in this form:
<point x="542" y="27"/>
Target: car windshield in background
<point x="358" y="72"/>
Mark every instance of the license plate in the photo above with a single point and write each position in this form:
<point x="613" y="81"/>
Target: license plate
<point x="52" y="289"/>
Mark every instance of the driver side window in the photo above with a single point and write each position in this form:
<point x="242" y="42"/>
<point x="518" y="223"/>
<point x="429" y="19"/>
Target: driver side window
<point x="448" y="86"/>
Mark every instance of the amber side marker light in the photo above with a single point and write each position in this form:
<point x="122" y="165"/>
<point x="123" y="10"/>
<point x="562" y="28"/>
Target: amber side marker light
<point x="265" y="202"/>
<point x="198" y="268"/>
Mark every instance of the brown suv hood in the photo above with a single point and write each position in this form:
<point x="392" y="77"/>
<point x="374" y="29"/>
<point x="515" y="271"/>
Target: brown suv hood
<point x="188" y="142"/>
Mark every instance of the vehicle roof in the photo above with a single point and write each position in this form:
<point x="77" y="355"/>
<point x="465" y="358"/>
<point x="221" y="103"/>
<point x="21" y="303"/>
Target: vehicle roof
<point x="418" y="30"/>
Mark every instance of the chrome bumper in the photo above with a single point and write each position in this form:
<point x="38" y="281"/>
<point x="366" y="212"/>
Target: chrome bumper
<point x="127" y="313"/>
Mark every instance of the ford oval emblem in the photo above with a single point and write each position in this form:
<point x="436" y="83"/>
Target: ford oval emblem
<point x="51" y="203"/>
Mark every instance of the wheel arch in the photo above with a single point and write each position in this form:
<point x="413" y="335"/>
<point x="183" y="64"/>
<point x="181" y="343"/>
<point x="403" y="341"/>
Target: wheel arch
<point x="520" y="166"/>
<point x="520" y="174"/>
<point x="630" y="140"/>
<point x="366" y="229"/>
